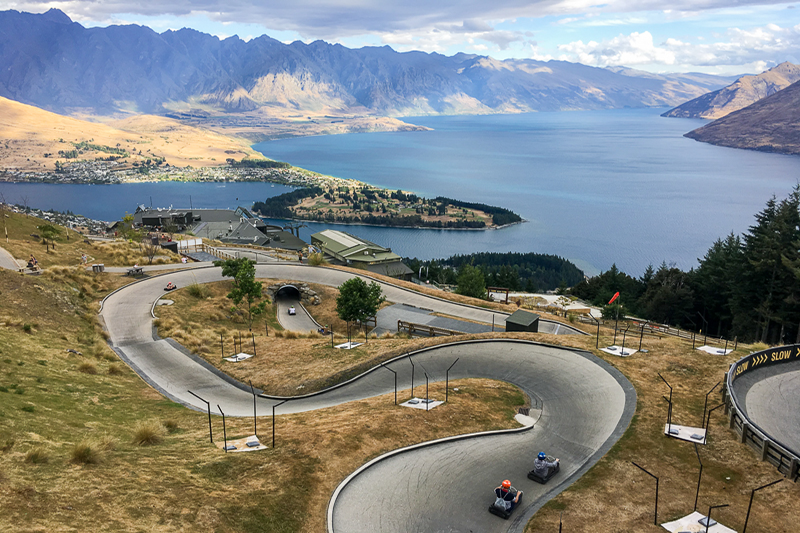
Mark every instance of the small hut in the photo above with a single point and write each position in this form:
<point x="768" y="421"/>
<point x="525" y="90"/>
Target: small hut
<point x="523" y="321"/>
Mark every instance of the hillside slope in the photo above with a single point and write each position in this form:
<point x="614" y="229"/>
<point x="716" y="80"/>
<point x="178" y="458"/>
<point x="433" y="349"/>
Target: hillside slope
<point x="32" y="139"/>
<point x="771" y="124"/>
<point x="745" y="91"/>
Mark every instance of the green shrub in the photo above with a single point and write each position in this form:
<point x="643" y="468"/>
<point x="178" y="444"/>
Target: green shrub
<point x="3" y="389"/>
<point x="87" y="368"/>
<point x="37" y="456"/>
<point x="85" y="454"/>
<point x="28" y="408"/>
<point x="42" y="362"/>
<point x="171" y="425"/>
<point x="114" y="370"/>
<point x="317" y="259"/>
<point x="198" y="291"/>
<point x="26" y="328"/>
<point x="19" y="390"/>
<point x="147" y="433"/>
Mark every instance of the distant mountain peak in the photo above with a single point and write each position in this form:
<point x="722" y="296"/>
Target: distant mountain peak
<point x="743" y="92"/>
<point x="56" y="15"/>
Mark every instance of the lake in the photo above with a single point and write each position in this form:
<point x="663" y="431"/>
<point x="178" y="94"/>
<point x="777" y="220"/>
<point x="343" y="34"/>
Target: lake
<point x="597" y="187"/>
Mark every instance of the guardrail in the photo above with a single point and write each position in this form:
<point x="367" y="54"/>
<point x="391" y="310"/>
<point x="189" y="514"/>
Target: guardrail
<point x="785" y="460"/>
<point x="423" y="329"/>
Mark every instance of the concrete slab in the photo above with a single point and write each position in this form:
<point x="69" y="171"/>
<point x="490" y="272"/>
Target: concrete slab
<point x="419" y="403"/>
<point x="715" y="350"/>
<point x="687" y="433"/>
<point x="348" y="345"/>
<point x="691" y="524"/>
<point x="617" y="350"/>
<point x="241" y="356"/>
<point x="247" y="444"/>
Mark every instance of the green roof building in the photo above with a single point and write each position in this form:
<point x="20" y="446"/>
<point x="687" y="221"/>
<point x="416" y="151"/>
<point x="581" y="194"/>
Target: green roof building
<point x="346" y="249"/>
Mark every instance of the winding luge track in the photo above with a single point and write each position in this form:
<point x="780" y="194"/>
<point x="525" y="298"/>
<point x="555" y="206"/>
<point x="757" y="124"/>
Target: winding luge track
<point x="585" y="404"/>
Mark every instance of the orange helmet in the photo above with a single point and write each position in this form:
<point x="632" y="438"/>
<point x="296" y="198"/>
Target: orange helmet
<point x="506" y="484"/>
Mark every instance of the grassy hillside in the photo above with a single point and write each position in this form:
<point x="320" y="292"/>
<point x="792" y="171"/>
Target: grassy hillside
<point x="29" y="133"/>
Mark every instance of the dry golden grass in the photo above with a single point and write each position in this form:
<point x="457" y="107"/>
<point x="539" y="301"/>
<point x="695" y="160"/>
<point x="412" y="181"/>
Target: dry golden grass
<point x="70" y="246"/>
<point x="29" y="133"/>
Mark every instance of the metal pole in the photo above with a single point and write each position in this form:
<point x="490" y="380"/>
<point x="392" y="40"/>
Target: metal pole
<point x="447" y="379"/>
<point x="641" y="336"/>
<point x="224" y="431"/>
<point x="395" y="381"/>
<point x="699" y="477"/>
<point x="726" y="347"/>
<point x="412" y="376"/>
<point x="616" y="321"/>
<point x="492" y="322"/>
<point x="735" y="343"/>
<point x="427" y="399"/>
<point x="708" y="420"/>
<point x="221" y="345"/>
<point x="254" y="343"/>
<point x="708" y="516"/>
<point x="597" y="342"/>
<point x="669" y="411"/>
<point x="625" y="332"/>
<point x="273" y="421"/>
<point x="331" y="328"/>
<point x="266" y="328"/>
<point x="559" y="521"/>
<point x="693" y="340"/>
<point x="744" y="529"/>
<point x="655" y="517"/>
<point x="705" y="406"/>
<point x="208" y="407"/>
<point x="255" y="428"/>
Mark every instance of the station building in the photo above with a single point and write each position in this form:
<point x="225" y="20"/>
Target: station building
<point x="346" y="249"/>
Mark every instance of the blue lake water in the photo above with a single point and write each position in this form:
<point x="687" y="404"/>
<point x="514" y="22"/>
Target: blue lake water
<point x="597" y="187"/>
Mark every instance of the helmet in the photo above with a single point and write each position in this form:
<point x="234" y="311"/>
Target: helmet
<point x="506" y="484"/>
<point x="542" y="455"/>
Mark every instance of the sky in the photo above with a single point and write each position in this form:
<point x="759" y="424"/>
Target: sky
<point x="714" y="36"/>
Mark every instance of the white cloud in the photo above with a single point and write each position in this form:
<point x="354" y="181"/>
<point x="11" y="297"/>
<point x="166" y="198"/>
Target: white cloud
<point x="736" y="47"/>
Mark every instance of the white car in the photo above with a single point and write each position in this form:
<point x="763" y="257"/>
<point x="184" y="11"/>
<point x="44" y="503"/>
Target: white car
<point x="292" y="310"/>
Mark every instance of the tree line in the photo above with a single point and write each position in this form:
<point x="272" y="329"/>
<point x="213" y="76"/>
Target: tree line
<point x="529" y="272"/>
<point x="500" y="215"/>
<point x="746" y="286"/>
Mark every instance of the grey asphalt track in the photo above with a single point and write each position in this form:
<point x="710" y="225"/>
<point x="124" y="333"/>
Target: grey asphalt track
<point x="300" y="322"/>
<point x="770" y="397"/>
<point x="7" y="260"/>
<point x="586" y="406"/>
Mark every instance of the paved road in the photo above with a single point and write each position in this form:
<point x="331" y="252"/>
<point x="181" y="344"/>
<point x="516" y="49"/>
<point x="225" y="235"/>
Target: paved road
<point x="300" y="322"/>
<point x="586" y="406"/>
<point x="7" y="260"/>
<point x="770" y="397"/>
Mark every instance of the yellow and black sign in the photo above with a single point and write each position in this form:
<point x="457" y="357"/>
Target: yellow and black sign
<point x="772" y="356"/>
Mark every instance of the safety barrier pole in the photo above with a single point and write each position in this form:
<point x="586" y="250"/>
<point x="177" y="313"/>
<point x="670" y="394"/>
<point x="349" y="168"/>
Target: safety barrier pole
<point x="224" y="430"/>
<point x="752" y="493"/>
<point x="255" y="428"/>
<point x="395" y="381"/>
<point x="669" y="410"/>
<point x="699" y="477"/>
<point x="273" y="421"/>
<point x="708" y="516"/>
<point x="447" y="379"/>
<point x="703" y="423"/>
<point x="208" y="407"/>
<point x="655" y="517"/>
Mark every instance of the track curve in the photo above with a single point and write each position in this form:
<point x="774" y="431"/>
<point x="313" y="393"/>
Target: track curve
<point x="769" y="396"/>
<point x="586" y="406"/>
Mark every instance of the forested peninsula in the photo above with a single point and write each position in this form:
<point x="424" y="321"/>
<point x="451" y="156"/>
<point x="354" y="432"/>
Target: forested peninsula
<point x="358" y="203"/>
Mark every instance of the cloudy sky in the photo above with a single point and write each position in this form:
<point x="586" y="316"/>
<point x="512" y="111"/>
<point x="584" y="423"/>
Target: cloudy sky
<point x="714" y="36"/>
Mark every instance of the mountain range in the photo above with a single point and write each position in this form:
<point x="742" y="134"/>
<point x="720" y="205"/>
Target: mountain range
<point x="772" y="125"/>
<point x="49" y="61"/>
<point x="740" y="94"/>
